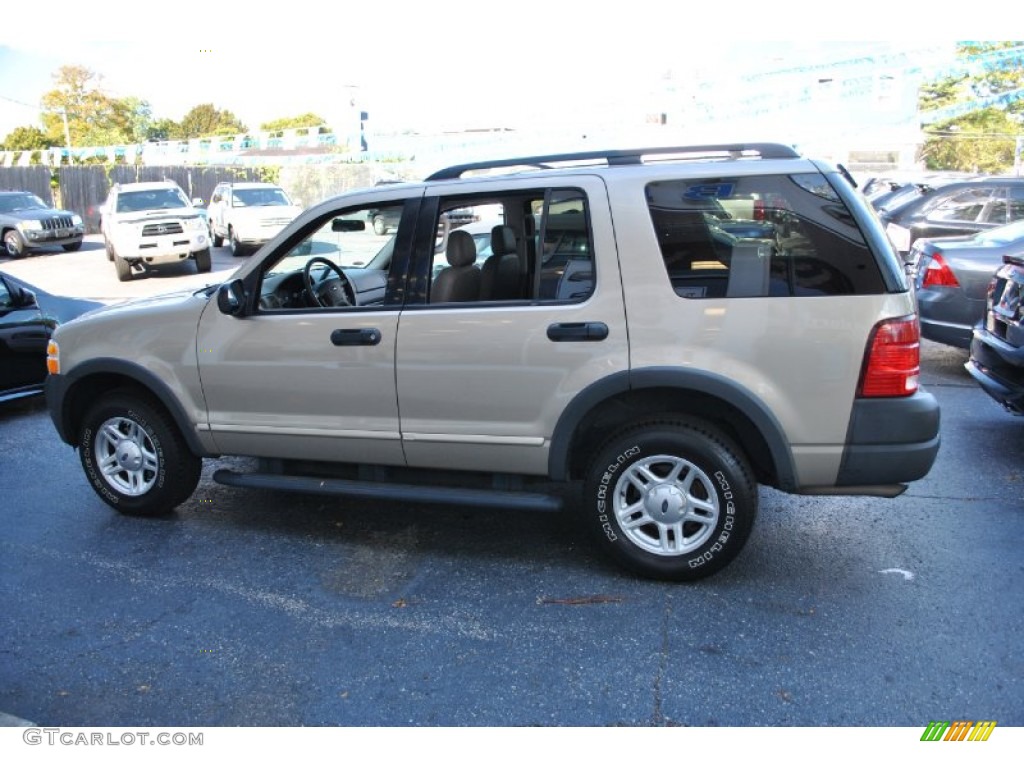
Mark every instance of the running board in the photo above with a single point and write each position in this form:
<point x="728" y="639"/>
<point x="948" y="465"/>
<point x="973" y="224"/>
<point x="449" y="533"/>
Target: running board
<point x="419" y="494"/>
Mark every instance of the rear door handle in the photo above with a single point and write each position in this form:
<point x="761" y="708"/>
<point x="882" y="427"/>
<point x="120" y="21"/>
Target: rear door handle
<point x="578" y="332"/>
<point x="355" y="337"/>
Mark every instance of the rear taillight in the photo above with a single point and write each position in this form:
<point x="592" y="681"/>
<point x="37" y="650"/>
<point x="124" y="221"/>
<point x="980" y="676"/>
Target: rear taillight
<point x="893" y="359"/>
<point x="938" y="273"/>
<point x="759" y="211"/>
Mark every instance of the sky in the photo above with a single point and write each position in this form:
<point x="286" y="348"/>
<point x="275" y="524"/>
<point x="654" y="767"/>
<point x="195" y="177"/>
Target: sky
<point x="427" y="66"/>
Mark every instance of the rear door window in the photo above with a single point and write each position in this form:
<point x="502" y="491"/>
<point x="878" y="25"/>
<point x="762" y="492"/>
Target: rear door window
<point x="760" y="236"/>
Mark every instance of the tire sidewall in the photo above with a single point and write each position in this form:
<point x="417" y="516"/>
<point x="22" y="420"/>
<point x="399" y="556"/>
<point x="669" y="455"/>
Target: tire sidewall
<point x="730" y="480"/>
<point x="157" y="499"/>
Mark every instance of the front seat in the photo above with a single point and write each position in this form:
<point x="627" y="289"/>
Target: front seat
<point x="460" y="281"/>
<point x="499" y="279"/>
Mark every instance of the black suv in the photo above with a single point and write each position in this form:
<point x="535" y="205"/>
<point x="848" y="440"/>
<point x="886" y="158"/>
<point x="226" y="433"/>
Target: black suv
<point x="960" y="208"/>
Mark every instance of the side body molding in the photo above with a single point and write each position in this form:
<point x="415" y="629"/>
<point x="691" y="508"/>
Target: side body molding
<point x="682" y="380"/>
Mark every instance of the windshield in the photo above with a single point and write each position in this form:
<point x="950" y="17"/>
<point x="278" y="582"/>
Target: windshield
<point x="245" y="197"/>
<point x="150" y="199"/>
<point x="25" y="202"/>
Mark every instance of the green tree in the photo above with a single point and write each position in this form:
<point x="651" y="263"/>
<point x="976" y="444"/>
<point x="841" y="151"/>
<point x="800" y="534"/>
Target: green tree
<point x="307" y="120"/>
<point x="93" y="118"/>
<point x="30" y="137"/>
<point x="206" y="120"/>
<point x="163" y="129"/>
<point x="981" y="141"/>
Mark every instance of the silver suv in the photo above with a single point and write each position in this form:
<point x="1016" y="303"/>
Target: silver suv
<point x="151" y="223"/>
<point x="658" y="330"/>
<point x="248" y="214"/>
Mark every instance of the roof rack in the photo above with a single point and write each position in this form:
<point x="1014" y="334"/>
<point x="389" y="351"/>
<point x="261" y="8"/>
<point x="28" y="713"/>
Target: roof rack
<point x="628" y="157"/>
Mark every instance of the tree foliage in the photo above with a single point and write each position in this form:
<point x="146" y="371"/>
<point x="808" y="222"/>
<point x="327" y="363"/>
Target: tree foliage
<point x="307" y="120"/>
<point x="93" y="117"/>
<point x="29" y="137"/>
<point x="980" y="140"/>
<point x="206" y="120"/>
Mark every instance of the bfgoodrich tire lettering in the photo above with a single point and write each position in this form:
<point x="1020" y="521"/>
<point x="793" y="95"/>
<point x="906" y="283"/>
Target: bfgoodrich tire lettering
<point x="671" y="500"/>
<point x="134" y="456"/>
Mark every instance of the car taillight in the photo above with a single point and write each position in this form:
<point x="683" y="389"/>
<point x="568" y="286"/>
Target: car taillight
<point x="938" y="273"/>
<point x="893" y="359"/>
<point x="759" y="211"/>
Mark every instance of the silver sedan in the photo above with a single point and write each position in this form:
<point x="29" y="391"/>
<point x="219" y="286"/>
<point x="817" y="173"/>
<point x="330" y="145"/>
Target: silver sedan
<point x="951" y="276"/>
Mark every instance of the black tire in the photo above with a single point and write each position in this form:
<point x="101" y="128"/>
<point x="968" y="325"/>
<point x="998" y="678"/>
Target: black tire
<point x="686" y="488"/>
<point x="237" y="249"/>
<point x="218" y="241"/>
<point x="203" y="262"/>
<point x="14" y="246"/>
<point x="123" y="269"/>
<point x="134" y="456"/>
<point x="69" y="247"/>
<point x="380" y="226"/>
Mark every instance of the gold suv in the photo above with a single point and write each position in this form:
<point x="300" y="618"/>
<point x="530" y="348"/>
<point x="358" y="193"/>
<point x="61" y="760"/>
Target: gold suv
<point x="659" y="329"/>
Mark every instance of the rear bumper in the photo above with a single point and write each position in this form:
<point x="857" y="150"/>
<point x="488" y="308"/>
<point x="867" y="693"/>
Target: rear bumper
<point x="891" y="440"/>
<point x="998" y="367"/>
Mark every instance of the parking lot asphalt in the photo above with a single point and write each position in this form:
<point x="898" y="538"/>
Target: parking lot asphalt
<point x="248" y="608"/>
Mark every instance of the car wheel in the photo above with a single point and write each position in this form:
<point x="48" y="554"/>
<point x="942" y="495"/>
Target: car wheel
<point x="218" y="241"/>
<point x="380" y="227"/>
<point x="123" y="269"/>
<point x="203" y="260"/>
<point x="670" y="500"/>
<point x="135" y="457"/>
<point x="14" y="246"/>
<point x="69" y="247"/>
<point x="109" y="249"/>
<point x="237" y="249"/>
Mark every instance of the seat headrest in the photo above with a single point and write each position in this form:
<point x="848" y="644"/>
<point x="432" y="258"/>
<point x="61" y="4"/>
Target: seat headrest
<point x="461" y="250"/>
<point x="503" y="240"/>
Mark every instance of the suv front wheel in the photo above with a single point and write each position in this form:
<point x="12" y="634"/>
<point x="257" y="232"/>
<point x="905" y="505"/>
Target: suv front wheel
<point x="671" y="499"/>
<point x="134" y="456"/>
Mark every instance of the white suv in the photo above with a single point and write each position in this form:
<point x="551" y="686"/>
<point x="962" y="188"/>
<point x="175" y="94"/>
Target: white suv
<point x="248" y="214"/>
<point x="152" y="223"/>
<point x="661" y="330"/>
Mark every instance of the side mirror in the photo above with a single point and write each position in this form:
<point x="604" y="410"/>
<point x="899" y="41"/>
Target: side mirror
<point x="22" y="298"/>
<point x="231" y="297"/>
<point x="198" y="202"/>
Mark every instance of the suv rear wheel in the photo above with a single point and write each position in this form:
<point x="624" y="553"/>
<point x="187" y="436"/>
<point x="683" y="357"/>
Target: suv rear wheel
<point x="134" y="456"/>
<point x="671" y="499"/>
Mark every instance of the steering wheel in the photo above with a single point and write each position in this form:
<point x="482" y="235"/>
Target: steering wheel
<point x="333" y="292"/>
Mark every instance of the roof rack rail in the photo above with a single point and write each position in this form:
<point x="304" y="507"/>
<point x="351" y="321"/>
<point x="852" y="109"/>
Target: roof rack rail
<point x="623" y="157"/>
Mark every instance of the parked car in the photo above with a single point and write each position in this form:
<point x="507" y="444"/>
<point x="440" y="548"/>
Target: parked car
<point x="997" y="347"/>
<point x="27" y="319"/>
<point x="27" y="224"/>
<point x="638" y="358"/>
<point x="248" y="214"/>
<point x="152" y="223"/>
<point x="957" y="208"/>
<point x="952" y="275"/>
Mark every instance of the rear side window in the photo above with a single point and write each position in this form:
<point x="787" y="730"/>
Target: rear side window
<point x="760" y="236"/>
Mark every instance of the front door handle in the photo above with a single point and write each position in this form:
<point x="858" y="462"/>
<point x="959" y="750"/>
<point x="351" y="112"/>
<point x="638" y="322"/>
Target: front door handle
<point x="355" y="337"/>
<point x="578" y="332"/>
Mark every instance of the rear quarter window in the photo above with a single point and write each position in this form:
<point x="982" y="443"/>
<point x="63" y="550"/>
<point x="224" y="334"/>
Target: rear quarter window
<point x="757" y="236"/>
